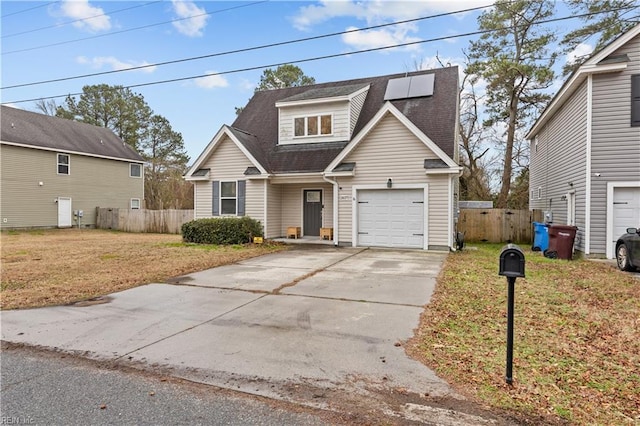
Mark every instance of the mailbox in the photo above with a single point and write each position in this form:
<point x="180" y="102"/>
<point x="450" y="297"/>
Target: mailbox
<point x="511" y="261"/>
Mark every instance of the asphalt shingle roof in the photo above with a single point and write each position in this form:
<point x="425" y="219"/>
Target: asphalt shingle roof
<point x="44" y="131"/>
<point x="257" y="125"/>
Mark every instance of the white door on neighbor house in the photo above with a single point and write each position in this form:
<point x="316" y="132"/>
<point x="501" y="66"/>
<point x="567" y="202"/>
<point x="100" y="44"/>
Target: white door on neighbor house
<point x="391" y="218"/>
<point x="626" y="210"/>
<point x="64" y="212"/>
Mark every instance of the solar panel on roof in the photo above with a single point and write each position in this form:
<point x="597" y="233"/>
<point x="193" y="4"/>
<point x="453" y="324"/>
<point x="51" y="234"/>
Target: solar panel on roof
<point x="409" y="87"/>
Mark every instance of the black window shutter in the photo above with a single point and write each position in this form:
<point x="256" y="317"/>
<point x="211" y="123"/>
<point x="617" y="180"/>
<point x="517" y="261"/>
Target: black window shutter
<point x="242" y="189"/>
<point x="216" y="198"/>
<point x="635" y="100"/>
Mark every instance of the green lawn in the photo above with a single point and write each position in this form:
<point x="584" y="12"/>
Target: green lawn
<point x="577" y="337"/>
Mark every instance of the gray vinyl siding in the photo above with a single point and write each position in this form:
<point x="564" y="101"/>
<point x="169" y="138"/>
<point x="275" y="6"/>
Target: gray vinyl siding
<point x="356" y="106"/>
<point x="392" y="151"/>
<point x="291" y="207"/>
<point x="92" y="182"/>
<point x="615" y="146"/>
<point x="203" y="193"/>
<point x="274" y="208"/>
<point x="340" y="120"/>
<point x="561" y="161"/>
<point x="228" y="163"/>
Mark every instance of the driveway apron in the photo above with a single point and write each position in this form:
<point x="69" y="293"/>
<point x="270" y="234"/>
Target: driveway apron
<point x="321" y="316"/>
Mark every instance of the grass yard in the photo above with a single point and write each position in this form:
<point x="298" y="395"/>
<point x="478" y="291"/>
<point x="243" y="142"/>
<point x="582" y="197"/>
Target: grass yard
<point x="576" y="337"/>
<point x="59" y="266"/>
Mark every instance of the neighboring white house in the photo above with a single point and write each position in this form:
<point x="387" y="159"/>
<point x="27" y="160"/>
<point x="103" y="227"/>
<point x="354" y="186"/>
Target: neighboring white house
<point x="55" y="172"/>
<point x="371" y="161"/>
<point x="585" y="148"/>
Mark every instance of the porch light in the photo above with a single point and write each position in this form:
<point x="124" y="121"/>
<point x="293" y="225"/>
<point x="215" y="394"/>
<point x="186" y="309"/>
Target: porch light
<point x="389" y="183"/>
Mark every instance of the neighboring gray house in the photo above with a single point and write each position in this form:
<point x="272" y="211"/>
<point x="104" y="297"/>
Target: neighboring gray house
<point x="585" y="148"/>
<point x="51" y="168"/>
<point x="366" y="162"/>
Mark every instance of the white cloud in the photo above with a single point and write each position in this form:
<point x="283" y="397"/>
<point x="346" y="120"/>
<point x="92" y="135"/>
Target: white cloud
<point x="88" y="17"/>
<point x="211" y="81"/>
<point x="378" y="11"/>
<point x="379" y="38"/>
<point x="194" y="19"/>
<point x="581" y="50"/>
<point x="113" y="63"/>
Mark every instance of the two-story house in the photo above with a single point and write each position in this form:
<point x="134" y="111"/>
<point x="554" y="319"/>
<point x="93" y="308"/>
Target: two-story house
<point x="55" y="172"/>
<point x="585" y="149"/>
<point x="373" y="160"/>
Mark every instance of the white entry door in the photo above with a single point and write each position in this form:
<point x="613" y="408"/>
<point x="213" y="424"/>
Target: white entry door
<point x="391" y="218"/>
<point x="64" y="212"/>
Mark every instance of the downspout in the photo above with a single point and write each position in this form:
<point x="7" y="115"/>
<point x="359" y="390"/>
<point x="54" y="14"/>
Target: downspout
<point x="335" y="207"/>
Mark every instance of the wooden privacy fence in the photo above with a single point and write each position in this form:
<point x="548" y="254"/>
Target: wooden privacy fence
<point x="498" y="225"/>
<point x="156" y="221"/>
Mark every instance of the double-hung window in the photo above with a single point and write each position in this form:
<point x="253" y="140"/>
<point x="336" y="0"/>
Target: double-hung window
<point x="135" y="170"/>
<point x="228" y="198"/>
<point x="63" y="164"/>
<point x="313" y="125"/>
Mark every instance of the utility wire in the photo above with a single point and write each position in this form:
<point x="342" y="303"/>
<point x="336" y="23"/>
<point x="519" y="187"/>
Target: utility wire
<point x="317" y="58"/>
<point x="246" y="49"/>
<point x="132" y="29"/>
<point x="27" y="10"/>
<point x="62" y="24"/>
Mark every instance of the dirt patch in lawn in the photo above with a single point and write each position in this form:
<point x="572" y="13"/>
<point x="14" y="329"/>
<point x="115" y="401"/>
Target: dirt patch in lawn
<point x="576" y="337"/>
<point x="52" y="267"/>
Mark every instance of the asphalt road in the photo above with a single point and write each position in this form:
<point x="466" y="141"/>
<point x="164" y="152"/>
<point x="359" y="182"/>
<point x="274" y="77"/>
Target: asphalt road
<point x="51" y="388"/>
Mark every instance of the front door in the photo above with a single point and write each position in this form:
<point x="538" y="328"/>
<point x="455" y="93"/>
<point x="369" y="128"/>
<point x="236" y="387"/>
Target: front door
<point x="312" y="212"/>
<point x="64" y="212"/>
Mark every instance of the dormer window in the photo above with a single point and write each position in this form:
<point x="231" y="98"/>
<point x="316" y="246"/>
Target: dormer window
<point x="313" y="125"/>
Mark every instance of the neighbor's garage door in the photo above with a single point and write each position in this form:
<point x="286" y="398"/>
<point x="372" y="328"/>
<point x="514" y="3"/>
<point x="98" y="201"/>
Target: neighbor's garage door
<point x="626" y="210"/>
<point x="391" y="218"/>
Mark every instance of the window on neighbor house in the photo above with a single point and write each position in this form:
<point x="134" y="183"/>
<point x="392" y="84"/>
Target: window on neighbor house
<point x="635" y="100"/>
<point x="135" y="170"/>
<point x="228" y="198"/>
<point x="135" y="203"/>
<point x="313" y="125"/>
<point x="63" y="164"/>
<point x="539" y="193"/>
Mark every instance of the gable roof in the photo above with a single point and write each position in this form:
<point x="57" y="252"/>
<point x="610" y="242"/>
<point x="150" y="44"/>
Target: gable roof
<point x="599" y="62"/>
<point x="30" y="129"/>
<point x="435" y="116"/>
<point x="389" y="108"/>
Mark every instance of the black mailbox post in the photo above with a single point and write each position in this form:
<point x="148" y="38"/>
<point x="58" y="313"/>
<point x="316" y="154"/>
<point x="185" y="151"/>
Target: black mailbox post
<point x="512" y="267"/>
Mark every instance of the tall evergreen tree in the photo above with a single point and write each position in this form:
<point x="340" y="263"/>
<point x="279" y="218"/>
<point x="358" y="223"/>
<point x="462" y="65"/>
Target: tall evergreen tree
<point x="515" y="61"/>
<point x="129" y="116"/>
<point x="607" y="20"/>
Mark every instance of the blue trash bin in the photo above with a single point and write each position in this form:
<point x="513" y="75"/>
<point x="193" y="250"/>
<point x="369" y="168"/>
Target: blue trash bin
<point x="540" y="236"/>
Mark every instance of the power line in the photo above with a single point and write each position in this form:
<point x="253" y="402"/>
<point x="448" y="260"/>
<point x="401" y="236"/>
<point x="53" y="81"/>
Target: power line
<point x="62" y="24"/>
<point x="317" y="58"/>
<point x="246" y="49"/>
<point x="29" y="9"/>
<point x="133" y="29"/>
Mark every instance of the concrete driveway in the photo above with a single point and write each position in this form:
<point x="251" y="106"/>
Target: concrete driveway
<point x="312" y="316"/>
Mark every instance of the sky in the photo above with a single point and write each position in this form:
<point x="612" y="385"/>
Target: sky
<point x="49" y="40"/>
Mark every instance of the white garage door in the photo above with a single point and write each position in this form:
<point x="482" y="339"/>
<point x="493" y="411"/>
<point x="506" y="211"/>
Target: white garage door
<point x="391" y="218"/>
<point x="626" y="210"/>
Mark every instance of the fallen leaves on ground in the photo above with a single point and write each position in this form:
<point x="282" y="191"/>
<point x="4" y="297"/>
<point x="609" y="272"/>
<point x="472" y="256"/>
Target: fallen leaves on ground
<point x="576" y="337"/>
